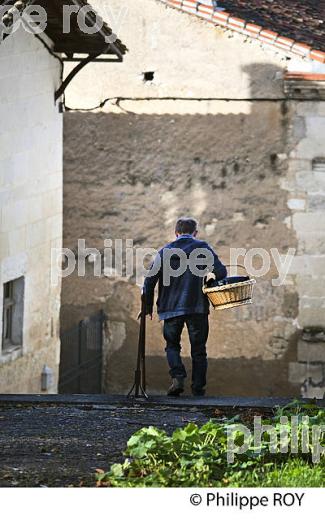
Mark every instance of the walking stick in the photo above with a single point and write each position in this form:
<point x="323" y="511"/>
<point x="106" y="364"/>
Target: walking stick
<point x="139" y="385"/>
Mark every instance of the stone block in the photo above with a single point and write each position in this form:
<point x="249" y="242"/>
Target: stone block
<point x="311" y="243"/>
<point x="310" y="182"/>
<point x="316" y="202"/>
<point x="14" y="266"/>
<point x="297" y="204"/>
<point x="4" y="245"/>
<point x="52" y="203"/>
<point x="17" y="241"/>
<point x="309" y="222"/>
<point x="313" y="392"/>
<point x="36" y="234"/>
<point x="15" y="215"/>
<point x="315" y="126"/>
<point x="297" y="372"/>
<point x="299" y="128"/>
<point x="55" y="180"/>
<point x="35" y="209"/>
<point x="5" y="169"/>
<point x="317" y="263"/>
<point x="311" y="352"/>
<point x="301" y="372"/>
<point x="310" y="287"/>
<point x="299" y="165"/>
<point x="311" y="108"/>
<point x="54" y="226"/>
<point x="312" y="303"/>
<point x="310" y="147"/>
<point x="300" y="266"/>
<point x="311" y="317"/>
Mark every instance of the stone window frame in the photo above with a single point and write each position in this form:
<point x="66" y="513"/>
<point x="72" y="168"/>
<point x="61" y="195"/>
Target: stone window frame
<point x="10" y="349"/>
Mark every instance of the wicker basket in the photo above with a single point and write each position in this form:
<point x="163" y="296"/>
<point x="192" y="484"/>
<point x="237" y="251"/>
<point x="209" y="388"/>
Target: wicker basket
<point x="230" y="295"/>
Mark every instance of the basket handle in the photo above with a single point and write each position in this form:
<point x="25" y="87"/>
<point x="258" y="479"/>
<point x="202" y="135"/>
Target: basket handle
<point x="237" y="265"/>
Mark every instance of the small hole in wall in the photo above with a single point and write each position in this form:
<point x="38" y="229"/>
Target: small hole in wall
<point x="273" y="159"/>
<point x="148" y="76"/>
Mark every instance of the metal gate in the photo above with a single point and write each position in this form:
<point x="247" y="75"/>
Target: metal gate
<point x="81" y="357"/>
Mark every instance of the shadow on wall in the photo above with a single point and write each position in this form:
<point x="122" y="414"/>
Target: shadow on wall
<point x="236" y="376"/>
<point x="129" y="176"/>
<point x="226" y="377"/>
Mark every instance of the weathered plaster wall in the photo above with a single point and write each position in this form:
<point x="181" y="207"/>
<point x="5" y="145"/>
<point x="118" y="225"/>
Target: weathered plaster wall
<point x="30" y="204"/>
<point x="132" y="168"/>
<point x="190" y="59"/>
<point x="170" y="169"/>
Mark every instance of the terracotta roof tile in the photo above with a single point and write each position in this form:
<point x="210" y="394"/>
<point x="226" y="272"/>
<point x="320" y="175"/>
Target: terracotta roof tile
<point x="301" y="20"/>
<point x="295" y="26"/>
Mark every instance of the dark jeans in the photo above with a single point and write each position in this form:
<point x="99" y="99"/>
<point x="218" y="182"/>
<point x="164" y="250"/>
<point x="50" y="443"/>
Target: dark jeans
<point x="198" y="330"/>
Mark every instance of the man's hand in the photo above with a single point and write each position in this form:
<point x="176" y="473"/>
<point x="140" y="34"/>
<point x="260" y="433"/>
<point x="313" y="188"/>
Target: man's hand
<point x="148" y="313"/>
<point x="209" y="278"/>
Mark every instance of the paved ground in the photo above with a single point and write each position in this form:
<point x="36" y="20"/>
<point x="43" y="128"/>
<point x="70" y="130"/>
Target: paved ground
<point x="61" y="445"/>
<point x="60" y="441"/>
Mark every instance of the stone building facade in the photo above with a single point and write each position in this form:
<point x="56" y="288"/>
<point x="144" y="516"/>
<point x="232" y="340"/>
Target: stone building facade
<point x="204" y="121"/>
<point x="305" y="184"/>
<point x="32" y="83"/>
<point x="31" y="212"/>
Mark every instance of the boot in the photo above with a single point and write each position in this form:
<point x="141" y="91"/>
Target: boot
<point x="198" y="392"/>
<point x="177" y="387"/>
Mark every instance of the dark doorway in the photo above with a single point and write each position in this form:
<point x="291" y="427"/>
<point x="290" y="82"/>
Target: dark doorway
<point x="81" y="357"/>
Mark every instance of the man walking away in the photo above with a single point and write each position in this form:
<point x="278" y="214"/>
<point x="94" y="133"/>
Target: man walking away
<point x="181" y="301"/>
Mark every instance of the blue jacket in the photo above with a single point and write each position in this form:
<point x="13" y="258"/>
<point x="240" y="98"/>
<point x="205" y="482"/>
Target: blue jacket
<point x="184" y="293"/>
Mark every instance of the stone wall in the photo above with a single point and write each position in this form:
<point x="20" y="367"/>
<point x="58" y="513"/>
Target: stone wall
<point x="30" y="204"/>
<point x="181" y="164"/>
<point x="306" y="188"/>
<point x="209" y="136"/>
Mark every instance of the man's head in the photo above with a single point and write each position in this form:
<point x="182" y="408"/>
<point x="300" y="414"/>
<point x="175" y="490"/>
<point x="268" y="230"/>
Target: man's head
<point x="186" y="226"/>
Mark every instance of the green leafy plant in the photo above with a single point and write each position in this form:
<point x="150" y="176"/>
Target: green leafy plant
<point x="197" y="456"/>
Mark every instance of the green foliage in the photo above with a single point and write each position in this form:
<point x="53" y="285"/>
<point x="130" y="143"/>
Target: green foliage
<point x="294" y="472"/>
<point x="197" y="456"/>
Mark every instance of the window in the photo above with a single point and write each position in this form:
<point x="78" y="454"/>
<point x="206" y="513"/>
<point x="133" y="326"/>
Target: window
<point x="13" y="315"/>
